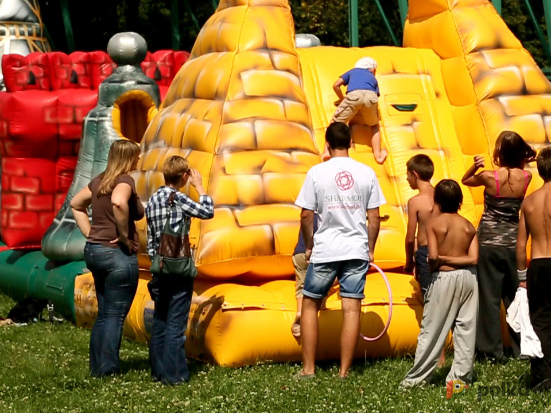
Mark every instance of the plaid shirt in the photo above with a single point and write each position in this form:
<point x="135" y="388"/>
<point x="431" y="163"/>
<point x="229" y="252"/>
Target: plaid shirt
<point x="157" y="210"/>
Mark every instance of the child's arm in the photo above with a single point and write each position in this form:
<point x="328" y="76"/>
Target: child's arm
<point x="410" y="235"/>
<point x="465" y="260"/>
<point x="204" y="209"/>
<point x="470" y="178"/>
<point x="337" y="88"/>
<point x="522" y="240"/>
<point x="432" y="243"/>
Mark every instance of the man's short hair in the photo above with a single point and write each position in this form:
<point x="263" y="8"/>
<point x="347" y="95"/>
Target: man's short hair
<point x="173" y="169"/>
<point x="422" y="165"/>
<point x="448" y="196"/>
<point x="338" y="136"/>
<point x="544" y="163"/>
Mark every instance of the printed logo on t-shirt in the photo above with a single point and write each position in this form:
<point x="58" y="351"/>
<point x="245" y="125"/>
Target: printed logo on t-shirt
<point x="344" y="180"/>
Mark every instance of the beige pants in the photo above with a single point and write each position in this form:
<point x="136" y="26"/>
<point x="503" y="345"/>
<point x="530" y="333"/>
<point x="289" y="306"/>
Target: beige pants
<point x="363" y="101"/>
<point x="301" y="266"/>
<point x="451" y="303"/>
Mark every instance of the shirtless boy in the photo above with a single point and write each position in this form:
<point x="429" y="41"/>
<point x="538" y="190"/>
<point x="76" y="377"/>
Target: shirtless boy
<point x="420" y="169"/>
<point x="452" y="299"/>
<point x="419" y="173"/>
<point x="535" y="221"/>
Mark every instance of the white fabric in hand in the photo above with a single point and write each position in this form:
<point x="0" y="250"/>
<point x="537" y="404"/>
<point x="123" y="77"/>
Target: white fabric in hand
<point x="518" y="317"/>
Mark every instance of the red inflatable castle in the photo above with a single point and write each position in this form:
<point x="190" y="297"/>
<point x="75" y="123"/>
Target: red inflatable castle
<point x="41" y="114"/>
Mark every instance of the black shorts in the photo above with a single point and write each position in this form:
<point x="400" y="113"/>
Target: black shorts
<point x="422" y="269"/>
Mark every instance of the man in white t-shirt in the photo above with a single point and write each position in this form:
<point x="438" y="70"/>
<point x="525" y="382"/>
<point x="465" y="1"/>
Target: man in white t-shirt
<point x="340" y="191"/>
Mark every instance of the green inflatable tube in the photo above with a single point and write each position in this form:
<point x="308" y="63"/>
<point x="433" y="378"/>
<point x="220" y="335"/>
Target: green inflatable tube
<point x="31" y="274"/>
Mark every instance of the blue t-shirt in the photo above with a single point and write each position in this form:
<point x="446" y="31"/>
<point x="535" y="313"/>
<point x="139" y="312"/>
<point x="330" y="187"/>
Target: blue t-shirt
<point x="360" y="79"/>
<point x="301" y="246"/>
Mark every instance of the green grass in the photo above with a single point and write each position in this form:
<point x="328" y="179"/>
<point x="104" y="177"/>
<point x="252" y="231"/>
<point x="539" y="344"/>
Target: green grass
<point x="44" y="368"/>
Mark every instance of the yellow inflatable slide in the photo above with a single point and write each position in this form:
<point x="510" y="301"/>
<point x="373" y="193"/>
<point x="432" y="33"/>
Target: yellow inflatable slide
<point x="249" y="111"/>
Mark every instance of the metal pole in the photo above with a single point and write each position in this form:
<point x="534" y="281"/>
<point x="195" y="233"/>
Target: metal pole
<point x="175" y="21"/>
<point x="387" y="23"/>
<point x="68" y="27"/>
<point x="403" y="4"/>
<point x="497" y="5"/>
<point x="193" y="18"/>
<point x="354" y="37"/>
<point x="538" y="30"/>
<point x="547" y="10"/>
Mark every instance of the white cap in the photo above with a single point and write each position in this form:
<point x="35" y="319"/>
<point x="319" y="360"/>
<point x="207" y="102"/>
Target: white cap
<point x="366" y="63"/>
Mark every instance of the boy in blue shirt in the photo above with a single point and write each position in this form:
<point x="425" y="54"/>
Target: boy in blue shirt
<point x="362" y="96"/>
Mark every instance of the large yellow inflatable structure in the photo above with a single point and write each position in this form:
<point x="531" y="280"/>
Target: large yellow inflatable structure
<point x="249" y="111"/>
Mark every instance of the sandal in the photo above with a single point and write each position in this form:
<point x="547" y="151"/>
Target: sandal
<point x="301" y="376"/>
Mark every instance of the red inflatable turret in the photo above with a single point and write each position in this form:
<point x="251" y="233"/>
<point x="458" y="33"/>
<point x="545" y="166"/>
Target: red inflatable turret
<point x="41" y="114"/>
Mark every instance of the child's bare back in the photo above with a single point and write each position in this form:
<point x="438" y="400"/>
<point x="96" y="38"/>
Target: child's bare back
<point x="423" y="206"/>
<point x="536" y="209"/>
<point x="454" y="237"/>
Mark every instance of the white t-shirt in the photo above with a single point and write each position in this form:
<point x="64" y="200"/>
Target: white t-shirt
<point x="340" y="190"/>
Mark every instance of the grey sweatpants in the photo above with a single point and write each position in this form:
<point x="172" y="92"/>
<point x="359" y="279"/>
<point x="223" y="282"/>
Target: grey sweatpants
<point x="451" y="304"/>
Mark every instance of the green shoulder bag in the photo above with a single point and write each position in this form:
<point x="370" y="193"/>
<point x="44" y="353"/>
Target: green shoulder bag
<point x="174" y="252"/>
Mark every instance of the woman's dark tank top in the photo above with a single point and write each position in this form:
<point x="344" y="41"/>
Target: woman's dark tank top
<point x="499" y="224"/>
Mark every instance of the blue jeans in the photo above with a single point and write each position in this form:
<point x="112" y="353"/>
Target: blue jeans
<point x="350" y="273"/>
<point x="167" y="355"/>
<point x="116" y="276"/>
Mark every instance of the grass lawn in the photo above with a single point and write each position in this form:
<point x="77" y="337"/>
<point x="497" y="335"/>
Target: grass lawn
<point x="44" y="368"/>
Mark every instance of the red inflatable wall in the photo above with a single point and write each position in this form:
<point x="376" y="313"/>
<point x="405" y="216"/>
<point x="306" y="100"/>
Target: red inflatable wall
<point x="41" y="114"/>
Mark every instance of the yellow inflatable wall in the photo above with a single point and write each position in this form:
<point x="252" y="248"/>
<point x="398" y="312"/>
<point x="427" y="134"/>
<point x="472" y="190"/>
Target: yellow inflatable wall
<point x="238" y="111"/>
<point x="235" y="325"/>
<point x="249" y="111"/>
<point x="493" y="84"/>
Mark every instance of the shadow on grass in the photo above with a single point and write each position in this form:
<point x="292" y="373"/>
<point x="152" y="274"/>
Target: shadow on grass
<point x="141" y="364"/>
<point x="132" y="364"/>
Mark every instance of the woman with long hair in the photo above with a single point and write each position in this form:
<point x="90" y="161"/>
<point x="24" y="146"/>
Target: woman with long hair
<point x="504" y="191"/>
<point x="110" y="251"/>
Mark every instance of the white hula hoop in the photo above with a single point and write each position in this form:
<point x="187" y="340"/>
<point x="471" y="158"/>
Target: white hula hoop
<point x="370" y="339"/>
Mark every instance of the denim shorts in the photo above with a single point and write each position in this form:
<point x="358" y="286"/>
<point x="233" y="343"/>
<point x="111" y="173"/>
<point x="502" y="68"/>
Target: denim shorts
<point x="422" y="268"/>
<point x="351" y="275"/>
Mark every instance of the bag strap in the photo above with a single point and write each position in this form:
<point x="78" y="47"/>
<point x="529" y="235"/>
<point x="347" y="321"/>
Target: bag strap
<point x="171" y="203"/>
<point x="187" y="225"/>
<point x="169" y="211"/>
<point x="172" y="206"/>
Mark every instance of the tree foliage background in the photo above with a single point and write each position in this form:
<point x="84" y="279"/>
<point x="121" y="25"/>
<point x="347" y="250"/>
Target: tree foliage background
<point x="94" y="22"/>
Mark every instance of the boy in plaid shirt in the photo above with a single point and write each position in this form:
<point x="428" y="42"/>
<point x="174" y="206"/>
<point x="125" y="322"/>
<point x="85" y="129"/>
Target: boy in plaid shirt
<point x="172" y="292"/>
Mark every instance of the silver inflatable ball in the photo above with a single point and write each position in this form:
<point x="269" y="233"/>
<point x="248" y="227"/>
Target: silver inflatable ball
<point x="127" y="48"/>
